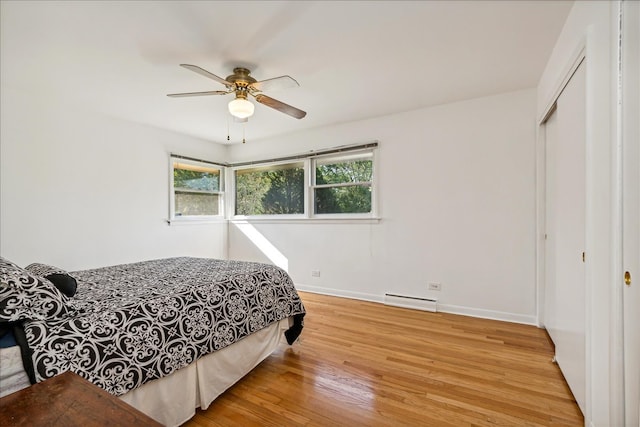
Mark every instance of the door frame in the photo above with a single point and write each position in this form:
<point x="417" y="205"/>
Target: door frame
<point x="627" y="199"/>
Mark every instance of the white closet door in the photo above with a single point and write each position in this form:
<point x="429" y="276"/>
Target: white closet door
<point x="631" y="207"/>
<point x="565" y="229"/>
<point x="550" y="291"/>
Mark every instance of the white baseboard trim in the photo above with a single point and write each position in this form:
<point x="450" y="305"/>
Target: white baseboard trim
<point x="488" y="314"/>
<point x="442" y="308"/>
<point x="340" y="293"/>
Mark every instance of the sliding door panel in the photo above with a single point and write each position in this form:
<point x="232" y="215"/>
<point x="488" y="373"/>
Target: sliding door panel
<point x="565" y="219"/>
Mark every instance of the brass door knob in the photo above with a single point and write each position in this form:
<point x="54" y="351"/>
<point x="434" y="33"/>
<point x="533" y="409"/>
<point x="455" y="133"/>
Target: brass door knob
<point x="627" y="278"/>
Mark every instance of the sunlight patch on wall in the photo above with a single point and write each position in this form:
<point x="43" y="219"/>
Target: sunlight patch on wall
<point x="262" y="243"/>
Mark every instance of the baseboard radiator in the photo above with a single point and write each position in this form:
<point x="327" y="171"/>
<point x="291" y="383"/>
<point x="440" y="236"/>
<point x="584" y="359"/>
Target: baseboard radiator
<point x="425" y="304"/>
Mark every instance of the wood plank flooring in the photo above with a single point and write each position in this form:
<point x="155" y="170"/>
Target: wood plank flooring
<point x="360" y="363"/>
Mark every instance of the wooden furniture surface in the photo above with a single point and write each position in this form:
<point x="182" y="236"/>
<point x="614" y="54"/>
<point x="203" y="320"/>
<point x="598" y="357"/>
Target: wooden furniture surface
<point x="68" y="400"/>
<point x="360" y="363"/>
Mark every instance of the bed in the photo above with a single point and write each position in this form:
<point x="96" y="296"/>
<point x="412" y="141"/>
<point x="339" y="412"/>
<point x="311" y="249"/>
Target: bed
<point x="166" y="336"/>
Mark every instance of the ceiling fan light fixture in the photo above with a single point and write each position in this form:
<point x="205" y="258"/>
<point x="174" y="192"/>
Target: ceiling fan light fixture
<point x="241" y="108"/>
<point x="242" y="84"/>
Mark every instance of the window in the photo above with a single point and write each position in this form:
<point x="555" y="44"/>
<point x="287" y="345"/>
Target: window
<point x="342" y="185"/>
<point x="270" y="190"/>
<point x="334" y="183"/>
<point x="196" y="189"/>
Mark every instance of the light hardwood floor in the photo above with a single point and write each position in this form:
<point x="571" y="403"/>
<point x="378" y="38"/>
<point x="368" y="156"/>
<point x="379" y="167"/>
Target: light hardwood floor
<point x="360" y="363"/>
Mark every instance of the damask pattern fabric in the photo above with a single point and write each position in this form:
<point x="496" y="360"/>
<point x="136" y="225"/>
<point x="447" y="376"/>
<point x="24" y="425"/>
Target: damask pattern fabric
<point x="24" y="296"/>
<point x="60" y="278"/>
<point x="43" y="270"/>
<point x="136" y="322"/>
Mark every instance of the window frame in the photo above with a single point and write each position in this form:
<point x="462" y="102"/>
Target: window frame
<point x="234" y="193"/>
<point x="309" y="163"/>
<point x="221" y="193"/>
<point x="336" y="158"/>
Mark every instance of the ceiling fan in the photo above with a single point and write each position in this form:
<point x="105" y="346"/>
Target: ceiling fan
<point x="242" y="84"/>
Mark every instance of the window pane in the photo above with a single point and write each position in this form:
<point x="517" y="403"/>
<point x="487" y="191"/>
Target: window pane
<point x="351" y="199"/>
<point x="191" y="203"/>
<point x="272" y="190"/>
<point x="186" y="176"/>
<point x="332" y="172"/>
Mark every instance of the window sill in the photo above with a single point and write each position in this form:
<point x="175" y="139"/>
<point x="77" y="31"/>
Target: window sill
<point x="304" y="220"/>
<point x="195" y="221"/>
<point x="268" y="220"/>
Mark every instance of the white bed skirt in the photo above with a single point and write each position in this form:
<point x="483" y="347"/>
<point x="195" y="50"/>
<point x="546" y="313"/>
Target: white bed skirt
<point x="13" y="377"/>
<point x="173" y="400"/>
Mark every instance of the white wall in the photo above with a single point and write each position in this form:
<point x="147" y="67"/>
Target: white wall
<point x="78" y="188"/>
<point x="457" y="202"/>
<point x="591" y="25"/>
<point x="81" y="190"/>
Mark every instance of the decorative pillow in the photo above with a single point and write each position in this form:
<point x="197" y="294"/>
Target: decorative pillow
<point x="60" y="278"/>
<point x="24" y="296"/>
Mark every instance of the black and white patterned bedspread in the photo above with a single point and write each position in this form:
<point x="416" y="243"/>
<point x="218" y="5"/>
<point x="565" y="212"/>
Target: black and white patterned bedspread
<point x="136" y="322"/>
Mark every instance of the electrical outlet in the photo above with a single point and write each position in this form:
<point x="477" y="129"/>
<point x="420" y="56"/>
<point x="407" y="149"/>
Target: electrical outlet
<point x="315" y="273"/>
<point x="435" y="286"/>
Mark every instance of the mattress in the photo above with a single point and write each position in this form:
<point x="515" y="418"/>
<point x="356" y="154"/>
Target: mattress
<point x="133" y="323"/>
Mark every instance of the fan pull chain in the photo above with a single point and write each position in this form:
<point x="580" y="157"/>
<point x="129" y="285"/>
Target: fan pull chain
<point x="243" y="128"/>
<point x="228" y="139"/>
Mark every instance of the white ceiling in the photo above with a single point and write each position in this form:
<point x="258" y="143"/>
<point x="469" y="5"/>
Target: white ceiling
<point x="353" y="60"/>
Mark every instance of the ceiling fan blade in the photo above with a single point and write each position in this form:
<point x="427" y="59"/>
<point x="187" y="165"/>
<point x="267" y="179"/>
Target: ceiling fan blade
<point x="205" y="73"/>
<point x="211" y="92"/>
<point x="280" y="106"/>
<point x="275" y="83"/>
